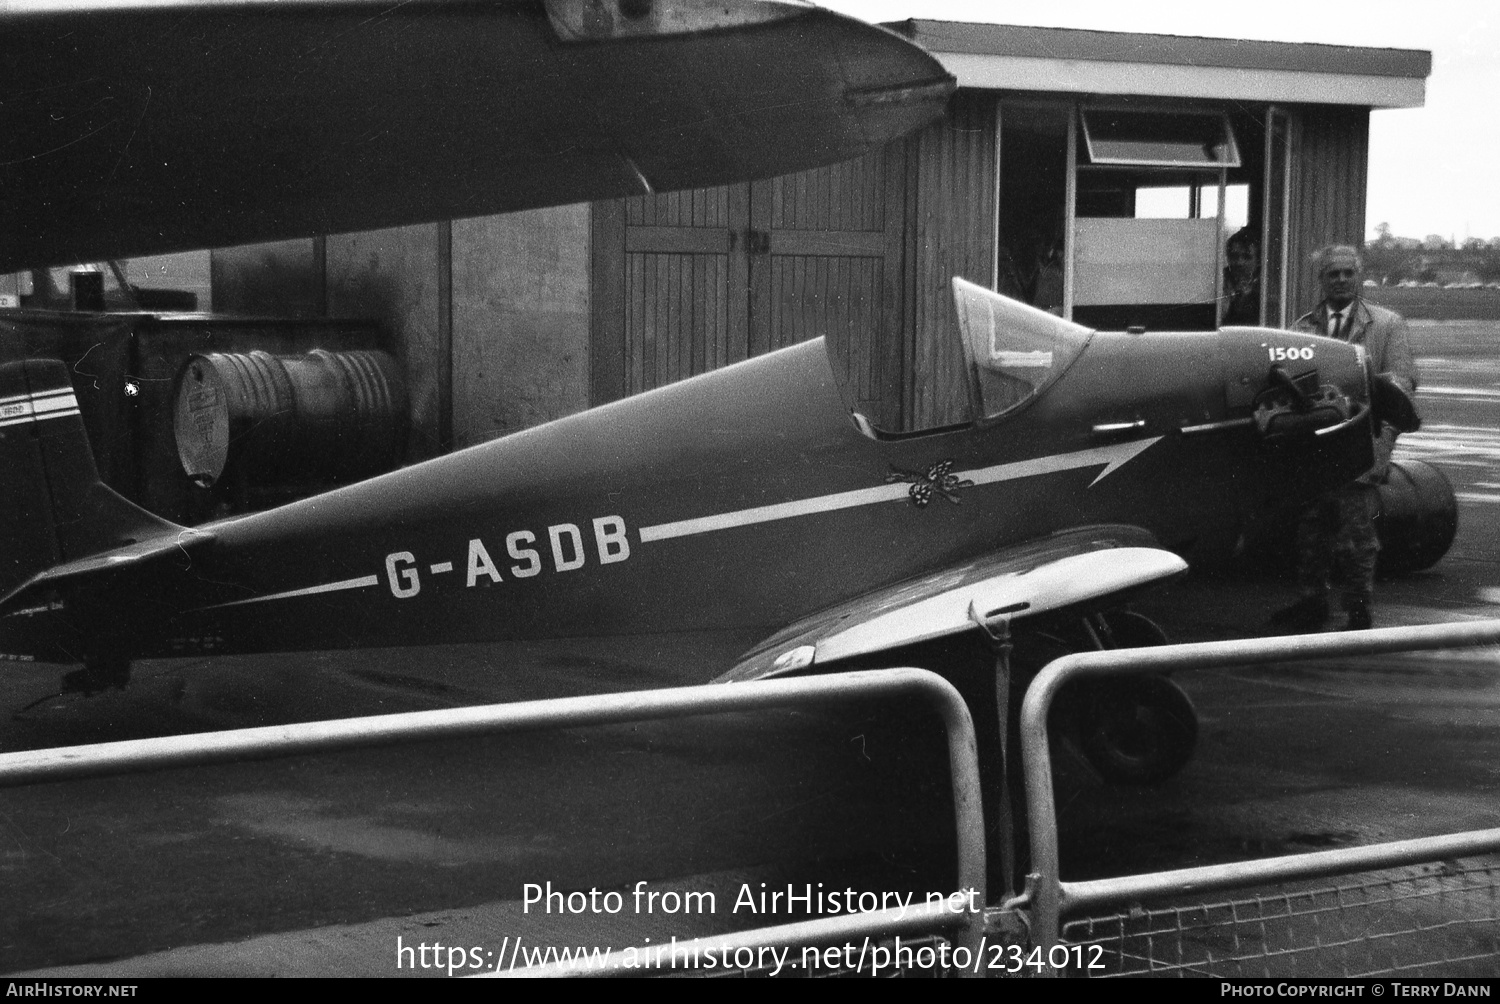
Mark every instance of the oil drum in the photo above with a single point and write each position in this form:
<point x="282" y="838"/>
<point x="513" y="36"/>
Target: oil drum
<point x="286" y="419"/>
<point x="1418" y="517"/>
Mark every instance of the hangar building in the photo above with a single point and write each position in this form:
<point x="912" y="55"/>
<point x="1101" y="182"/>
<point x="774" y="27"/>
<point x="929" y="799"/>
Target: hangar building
<point x="1095" y="174"/>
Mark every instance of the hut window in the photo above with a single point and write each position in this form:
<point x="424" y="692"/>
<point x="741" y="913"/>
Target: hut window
<point x="1158" y="139"/>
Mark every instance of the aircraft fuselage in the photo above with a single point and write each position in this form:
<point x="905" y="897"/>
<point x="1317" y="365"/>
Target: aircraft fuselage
<point x="742" y="499"/>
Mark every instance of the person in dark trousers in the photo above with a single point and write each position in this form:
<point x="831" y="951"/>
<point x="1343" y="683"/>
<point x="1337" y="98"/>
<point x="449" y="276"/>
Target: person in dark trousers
<point x="1336" y="541"/>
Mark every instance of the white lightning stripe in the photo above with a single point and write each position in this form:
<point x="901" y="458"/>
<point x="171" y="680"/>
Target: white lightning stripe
<point x="1112" y="457"/>
<point x="37" y="395"/>
<point x="57" y="403"/>
<point x="327" y="587"/>
<point x="767" y="513"/>
<point x="29" y="416"/>
<point x="52" y="404"/>
<point x="1109" y="456"/>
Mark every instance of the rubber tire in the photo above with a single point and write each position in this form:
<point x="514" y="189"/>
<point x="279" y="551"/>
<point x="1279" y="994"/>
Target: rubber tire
<point x="1137" y="731"/>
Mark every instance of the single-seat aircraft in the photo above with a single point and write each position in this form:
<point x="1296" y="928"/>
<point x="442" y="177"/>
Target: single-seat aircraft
<point x="752" y="499"/>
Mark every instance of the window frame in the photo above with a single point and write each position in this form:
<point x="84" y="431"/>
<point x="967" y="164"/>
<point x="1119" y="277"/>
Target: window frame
<point x="1232" y="158"/>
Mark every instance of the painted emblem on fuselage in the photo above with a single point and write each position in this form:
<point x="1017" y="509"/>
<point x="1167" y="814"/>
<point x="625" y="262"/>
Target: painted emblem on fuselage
<point x="938" y="479"/>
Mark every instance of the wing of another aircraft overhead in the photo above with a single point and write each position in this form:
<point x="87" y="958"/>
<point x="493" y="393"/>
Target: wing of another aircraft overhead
<point x="1077" y="567"/>
<point x="138" y="127"/>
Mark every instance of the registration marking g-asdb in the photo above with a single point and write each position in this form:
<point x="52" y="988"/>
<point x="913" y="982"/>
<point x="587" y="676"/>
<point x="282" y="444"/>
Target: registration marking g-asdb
<point x="567" y="548"/>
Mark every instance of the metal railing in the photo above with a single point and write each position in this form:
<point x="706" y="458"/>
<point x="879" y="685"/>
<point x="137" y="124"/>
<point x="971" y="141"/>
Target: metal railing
<point x="137" y="755"/>
<point x="1050" y="899"/>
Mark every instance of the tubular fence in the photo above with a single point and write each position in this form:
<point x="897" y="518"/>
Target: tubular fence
<point x="105" y="759"/>
<point x="1429" y="906"/>
<point x="1439" y="919"/>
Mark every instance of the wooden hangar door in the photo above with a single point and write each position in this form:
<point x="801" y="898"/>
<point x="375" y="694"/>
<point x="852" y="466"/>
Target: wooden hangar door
<point x="687" y="282"/>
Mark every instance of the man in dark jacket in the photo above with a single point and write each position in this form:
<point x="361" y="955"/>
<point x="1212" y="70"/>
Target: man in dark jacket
<point x="1241" y="301"/>
<point x="1336" y="541"/>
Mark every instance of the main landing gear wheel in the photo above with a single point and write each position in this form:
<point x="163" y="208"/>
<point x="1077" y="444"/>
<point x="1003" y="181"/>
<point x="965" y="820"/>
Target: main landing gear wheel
<point x="1132" y="730"/>
<point x="1140" y="731"/>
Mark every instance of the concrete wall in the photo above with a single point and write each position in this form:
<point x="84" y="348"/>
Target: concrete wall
<point x="279" y="279"/>
<point x="489" y="317"/>
<point x="189" y="272"/>
<point x="520" y="320"/>
<point x="399" y="277"/>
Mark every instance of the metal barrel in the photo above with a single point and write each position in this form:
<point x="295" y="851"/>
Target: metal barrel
<point x="320" y="416"/>
<point x="1418" y="517"/>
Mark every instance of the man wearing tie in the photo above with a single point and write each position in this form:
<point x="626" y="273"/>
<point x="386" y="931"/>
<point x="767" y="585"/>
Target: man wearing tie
<point x="1336" y="541"/>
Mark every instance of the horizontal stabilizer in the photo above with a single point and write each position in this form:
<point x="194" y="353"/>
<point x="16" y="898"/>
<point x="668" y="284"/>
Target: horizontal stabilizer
<point x="183" y="543"/>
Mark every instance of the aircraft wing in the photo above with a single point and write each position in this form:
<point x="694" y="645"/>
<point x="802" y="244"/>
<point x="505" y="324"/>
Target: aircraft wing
<point x="1076" y="567"/>
<point x="137" y="127"/>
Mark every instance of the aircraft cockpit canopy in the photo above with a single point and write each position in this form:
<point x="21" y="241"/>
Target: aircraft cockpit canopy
<point x="600" y="20"/>
<point x="1015" y="350"/>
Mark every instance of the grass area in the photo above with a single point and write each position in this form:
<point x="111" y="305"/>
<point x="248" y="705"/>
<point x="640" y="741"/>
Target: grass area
<point x="1438" y="304"/>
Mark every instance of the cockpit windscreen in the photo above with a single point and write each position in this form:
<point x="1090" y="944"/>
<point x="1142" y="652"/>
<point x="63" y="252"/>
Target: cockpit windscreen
<point x="1015" y="349"/>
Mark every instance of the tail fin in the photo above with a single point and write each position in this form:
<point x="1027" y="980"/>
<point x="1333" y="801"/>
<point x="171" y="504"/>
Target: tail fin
<point x="53" y="507"/>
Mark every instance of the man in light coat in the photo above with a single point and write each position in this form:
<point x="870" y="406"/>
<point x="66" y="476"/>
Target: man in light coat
<point x="1336" y="540"/>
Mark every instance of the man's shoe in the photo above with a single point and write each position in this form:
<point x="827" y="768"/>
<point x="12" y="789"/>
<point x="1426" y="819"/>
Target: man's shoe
<point x="1308" y="614"/>
<point x="1359" y="615"/>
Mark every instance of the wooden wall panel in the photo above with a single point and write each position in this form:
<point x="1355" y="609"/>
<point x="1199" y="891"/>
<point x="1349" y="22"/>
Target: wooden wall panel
<point x="840" y="297"/>
<point x="700" y="207"/>
<point x="1330" y="148"/>
<point x="847" y="196"/>
<point x="677" y="324"/>
<point x="954" y="234"/>
<point x="691" y="281"/>
<point x="668" y="291"/>
<point x="833" y="265"/>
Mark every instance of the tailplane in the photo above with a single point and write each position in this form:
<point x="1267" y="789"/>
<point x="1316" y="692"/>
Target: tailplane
<point x="53" y="507"/>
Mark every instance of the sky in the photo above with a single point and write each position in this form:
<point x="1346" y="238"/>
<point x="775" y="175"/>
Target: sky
<point x="1433" y="170"/>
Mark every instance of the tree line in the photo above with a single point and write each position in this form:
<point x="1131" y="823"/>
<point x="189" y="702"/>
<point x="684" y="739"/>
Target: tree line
<point x="1390" y="260"/>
